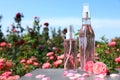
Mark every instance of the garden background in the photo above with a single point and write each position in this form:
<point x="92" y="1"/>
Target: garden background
<point x="40" y="45"/>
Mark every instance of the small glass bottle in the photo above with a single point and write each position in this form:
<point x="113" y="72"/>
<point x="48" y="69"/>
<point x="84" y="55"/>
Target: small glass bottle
<point x="70" y="52"/>
<point x="86" y="41"/>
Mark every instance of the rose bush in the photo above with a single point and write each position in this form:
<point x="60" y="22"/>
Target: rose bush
<point x="21" y="53"/>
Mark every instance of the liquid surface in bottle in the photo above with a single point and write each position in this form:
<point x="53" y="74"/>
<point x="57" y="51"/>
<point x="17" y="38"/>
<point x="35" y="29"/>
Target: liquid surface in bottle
<point x="70" y="55"/>
<point x="86" y="45"/>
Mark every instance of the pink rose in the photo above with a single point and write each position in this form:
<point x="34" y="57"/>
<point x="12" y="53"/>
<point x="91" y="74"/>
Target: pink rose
<point x="57" y="63"/>
<point x="3" y="44"/>
<point x="29" y="62"/>
<point x="113" y="43"/>
<point x="46" y="65"/>
<point x="61" y="56"/>
<point x="99" y="68"/>
<point x="22" y="61"/>
<point x="7" y="73"/>
<point x="117" y="59"/>
<point x="9" y="64"/>
<point x="9" y="45"/>
<point x="89" y="66"/>
<point x="52" y="57"/>
<point x="36" y="64"/>
<point x="49" y="54"/>
<point x="1" y="66"/>
<point x="2" y="60"/>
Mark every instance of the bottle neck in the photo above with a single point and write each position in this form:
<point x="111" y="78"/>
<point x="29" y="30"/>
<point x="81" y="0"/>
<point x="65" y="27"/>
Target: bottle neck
<point x="86" y="21"/>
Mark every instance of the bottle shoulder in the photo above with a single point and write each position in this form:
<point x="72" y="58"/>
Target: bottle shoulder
<point x="86" y="30"/>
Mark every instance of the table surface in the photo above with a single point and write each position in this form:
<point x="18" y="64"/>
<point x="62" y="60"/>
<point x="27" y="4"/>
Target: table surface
<point x="57" y="74"/>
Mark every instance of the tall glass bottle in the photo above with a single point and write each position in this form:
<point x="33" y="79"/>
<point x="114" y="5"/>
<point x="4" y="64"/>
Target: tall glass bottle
<point x="87" y="39"/>
<point x="70" y="52"/>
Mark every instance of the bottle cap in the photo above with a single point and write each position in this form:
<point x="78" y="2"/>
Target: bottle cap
<point x="70" y="32"/>
<point x="86" y="12"/>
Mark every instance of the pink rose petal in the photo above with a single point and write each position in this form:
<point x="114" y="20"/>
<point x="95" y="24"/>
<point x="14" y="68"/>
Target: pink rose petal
<point x="85" y="75"/>
<point x="40" y="76"/>
<point x="114" y="75"/>
<point x="70" y="74"/>
<point x="101" y="76"/>
<point x="28" y="74"/>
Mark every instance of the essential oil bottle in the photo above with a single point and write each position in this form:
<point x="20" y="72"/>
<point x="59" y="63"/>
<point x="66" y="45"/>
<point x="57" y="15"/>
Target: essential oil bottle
<point x="86" y="39"/>
<point x="70" y="52"/>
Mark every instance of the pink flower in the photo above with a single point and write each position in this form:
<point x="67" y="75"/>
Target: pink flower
<point x="49" y="54"/>
<point x="2" y="60"/>
<point x="16" y="77"/>
<point x="57" y="63"/>
<point x="99" y="68"/>
<point x="1" y="66"/>
<point x="117" y="59"/>
<point x="60" y="57"/>
<point x="113" y="43"/>
<point x="28" y="74"/>
<point x="9" y="63"/>
<point x="52" y="57"/>
<point x="29" y="62"/>
<point x="3" y="44"/>
<point x="36" y="64"/>
<point x="89" y="66"/>
<point x="7" y="74"/>
<point x="46" y="65"/>
<point x="46" y="78"/>
<point x="22" y="61"/>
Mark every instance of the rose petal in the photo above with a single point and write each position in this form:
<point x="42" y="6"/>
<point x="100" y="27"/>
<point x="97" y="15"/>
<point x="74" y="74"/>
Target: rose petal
<point x="78" y="75"/>
<point x="73" y="78"/>
<point x="28" y="74"/>
<point x="85" y="75"/>
<point x="40" y="76"/>
<point x="70" y="74"/>
<point x="114" y="75"/>
<point x="101" y="75"/>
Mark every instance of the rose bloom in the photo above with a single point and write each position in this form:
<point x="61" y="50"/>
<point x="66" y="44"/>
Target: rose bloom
<point x="7" y="74"/>
<point x="113" y="43"/>
<point x="29" y="62"/>
<point x="60" y="57"/>
<point x="16" y="77"/>
<point x="57" y="63"/>
<point x="36" y="64"/>
<point x="22" y="61"/>
<point x="46" y="24"/>
<point x="46" y="65"/>
<point x="49" y="54"/>
<point x="117" y="59"/>
<point x="99" y="68"/>
<point x="9" y="64"/>
<point x="52" y="57"/>
<point x="3" y="44"/>
<point x="89" y="66"/>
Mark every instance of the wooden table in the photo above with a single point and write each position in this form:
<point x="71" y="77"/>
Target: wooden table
<point x="57" y="74"/>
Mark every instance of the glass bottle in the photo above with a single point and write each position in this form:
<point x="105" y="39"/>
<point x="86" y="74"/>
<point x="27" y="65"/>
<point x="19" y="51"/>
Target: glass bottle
<point x="86" y="41"/>
<point x="70" y="52"/>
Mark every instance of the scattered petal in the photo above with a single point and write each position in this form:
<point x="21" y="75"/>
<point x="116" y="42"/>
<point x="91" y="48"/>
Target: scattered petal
<point x="101" y="76"/>
<point x="85" y="75"/>
<point x="28" y="74"/>
<point x="40" y="76"/>
<point x="78" y="75"/>
<point x="70" y="74"/>
<point x="114" y="75"/>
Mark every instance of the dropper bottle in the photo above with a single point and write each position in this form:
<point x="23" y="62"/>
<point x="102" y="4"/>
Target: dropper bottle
<point x="86" y="39"/>
<point x="70" y="51"/>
